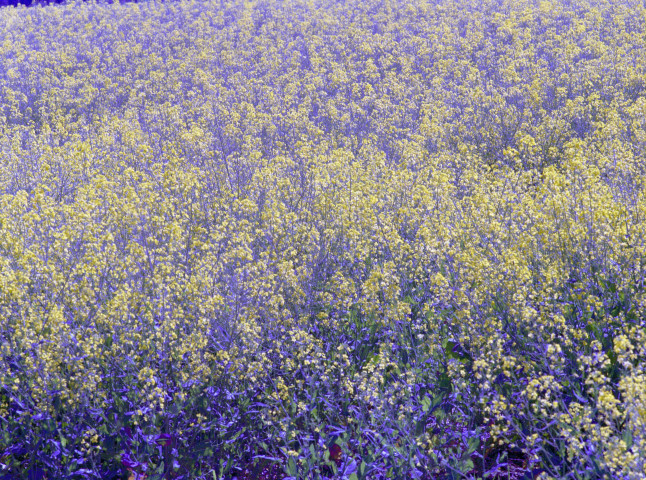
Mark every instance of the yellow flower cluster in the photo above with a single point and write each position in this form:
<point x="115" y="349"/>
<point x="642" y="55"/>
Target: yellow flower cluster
<point x="613" y="425"/>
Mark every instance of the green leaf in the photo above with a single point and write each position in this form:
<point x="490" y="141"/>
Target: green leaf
<point x="353" y="476"/>
<point x="439" y="414"/>
<point x="473" y="443"/>
<point x="426" y="403"/>
<point x="444" y="382"/>
<point x="628" y="438"/>
<point x="437" y="400"/>
<point x="291" y="467"/>
<point x="465" y="466"/>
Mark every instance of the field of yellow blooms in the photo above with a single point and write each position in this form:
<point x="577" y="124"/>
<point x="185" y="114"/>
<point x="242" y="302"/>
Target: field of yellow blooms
<point x="323" y="239"/>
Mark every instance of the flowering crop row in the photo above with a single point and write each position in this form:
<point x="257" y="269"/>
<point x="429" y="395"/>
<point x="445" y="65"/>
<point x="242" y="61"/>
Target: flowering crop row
<point x="314" y="239"/>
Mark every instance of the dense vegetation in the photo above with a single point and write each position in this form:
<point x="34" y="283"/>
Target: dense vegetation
<point x="313" y="239"/>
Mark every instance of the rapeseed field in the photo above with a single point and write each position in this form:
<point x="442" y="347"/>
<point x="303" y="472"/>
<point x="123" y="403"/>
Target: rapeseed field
<point x="316" y="239"/>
